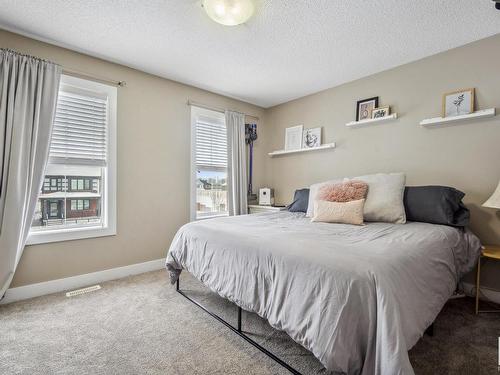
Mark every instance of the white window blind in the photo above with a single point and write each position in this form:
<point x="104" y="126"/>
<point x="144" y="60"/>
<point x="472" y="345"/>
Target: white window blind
<point x="211" y="143"/>
<point x="79" y="134"/>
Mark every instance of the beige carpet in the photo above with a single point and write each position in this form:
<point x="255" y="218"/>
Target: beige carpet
<point x="139" y="325"/>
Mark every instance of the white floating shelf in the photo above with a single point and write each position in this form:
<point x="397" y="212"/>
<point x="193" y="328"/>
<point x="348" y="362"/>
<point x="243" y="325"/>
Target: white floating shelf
<point x="485" y="113"/>
<point x="354" y="124"/>
<point x="285" y="152"/>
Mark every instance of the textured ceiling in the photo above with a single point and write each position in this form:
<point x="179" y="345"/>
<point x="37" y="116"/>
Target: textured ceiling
<point x="290" y="48"/>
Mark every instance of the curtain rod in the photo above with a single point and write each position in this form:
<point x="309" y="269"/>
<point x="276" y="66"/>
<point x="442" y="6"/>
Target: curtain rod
<point x="216" y="109"/>
<point x="72" y="72"/>
<point x="77" y="73"/>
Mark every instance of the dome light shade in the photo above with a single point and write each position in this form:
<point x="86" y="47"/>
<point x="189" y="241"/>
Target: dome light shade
<point x="229" y="12"/>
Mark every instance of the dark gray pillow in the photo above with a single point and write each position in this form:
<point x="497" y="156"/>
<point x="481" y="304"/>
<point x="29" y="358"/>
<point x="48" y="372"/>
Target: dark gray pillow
<point x="436" y="205"/>
<point x="300" y="201"/>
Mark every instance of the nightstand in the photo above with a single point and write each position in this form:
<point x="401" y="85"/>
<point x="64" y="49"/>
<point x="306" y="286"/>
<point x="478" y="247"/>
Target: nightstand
<point x="255" y="208"/>
<point x="488" y="252"/>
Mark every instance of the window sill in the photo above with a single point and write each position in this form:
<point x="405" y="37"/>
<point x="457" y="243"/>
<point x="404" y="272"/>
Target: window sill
<point x="69" y="234"/>
<point x="210" y="217"/>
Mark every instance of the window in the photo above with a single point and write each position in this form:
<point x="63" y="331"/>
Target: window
<point x="52" y="183"/>
<point x="209" y="164"/>
<point x="80" y="204"/>
<point x="77" y="199"/>
<point x="82" y="183"/>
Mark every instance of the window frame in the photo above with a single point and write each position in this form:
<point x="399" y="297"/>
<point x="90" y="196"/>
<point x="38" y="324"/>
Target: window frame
<point x="108" y="196"/>
<point x="195" y="113"/>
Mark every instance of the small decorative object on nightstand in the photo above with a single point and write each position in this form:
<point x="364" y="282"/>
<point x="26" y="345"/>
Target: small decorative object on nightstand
<point x="255" y="208"/>
<point x="266" y="196"/>
<point x="489" y="251"/>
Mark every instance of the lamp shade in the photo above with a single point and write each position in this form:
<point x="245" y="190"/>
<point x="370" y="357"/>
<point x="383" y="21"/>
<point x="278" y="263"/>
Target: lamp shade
<point x="494" y="200"/>
<point x="229" y="12"/>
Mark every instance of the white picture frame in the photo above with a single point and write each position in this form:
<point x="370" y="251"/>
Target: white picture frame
<point x="311" y="138"/>
<point x="293" y="138"/>
<point x="381" y="112"/>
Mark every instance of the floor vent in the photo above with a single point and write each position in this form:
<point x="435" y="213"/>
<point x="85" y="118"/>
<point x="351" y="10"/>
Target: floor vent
<point x="77" y="292"/>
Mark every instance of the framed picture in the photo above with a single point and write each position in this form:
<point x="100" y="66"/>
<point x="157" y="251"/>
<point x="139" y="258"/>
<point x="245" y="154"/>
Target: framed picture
<point x="311" y="138"/>
<point x="293" y="138"/>
<point x="364" y="108"/>
<point x="458" y="103"/>
<point x="380" y="112"/>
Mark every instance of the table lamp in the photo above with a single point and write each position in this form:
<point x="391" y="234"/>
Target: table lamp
<point x="494" y="200"/>
<point x="489" y="251"/>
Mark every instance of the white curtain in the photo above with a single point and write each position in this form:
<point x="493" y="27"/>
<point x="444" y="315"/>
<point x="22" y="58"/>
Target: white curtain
<point x="237" y="163"/>
<point x="28" y="97"/>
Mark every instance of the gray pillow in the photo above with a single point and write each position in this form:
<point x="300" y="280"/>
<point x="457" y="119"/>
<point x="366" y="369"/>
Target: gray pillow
<point x="384" y="201"/>
<point x="300" y="201"/>
<point x="436" y="205"/>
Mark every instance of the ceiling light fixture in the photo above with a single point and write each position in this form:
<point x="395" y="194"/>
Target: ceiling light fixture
<point x="229" y="12"/>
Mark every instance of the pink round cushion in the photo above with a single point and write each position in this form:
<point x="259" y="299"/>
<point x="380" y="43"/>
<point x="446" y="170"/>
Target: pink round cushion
<point x="348" y="191"/>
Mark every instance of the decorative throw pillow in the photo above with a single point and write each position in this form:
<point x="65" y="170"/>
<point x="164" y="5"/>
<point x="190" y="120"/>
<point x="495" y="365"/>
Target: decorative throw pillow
<point x="384" y="201"/>
<point x="436" y="205"/>
<point x="313" y="191"/>
<point x="300" y="201"/>
<point x="339" y="212"/>
<point x="343" y="192"/>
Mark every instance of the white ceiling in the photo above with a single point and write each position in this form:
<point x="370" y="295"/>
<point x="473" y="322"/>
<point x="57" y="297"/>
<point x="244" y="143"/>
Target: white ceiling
<point x="290" y="48"/>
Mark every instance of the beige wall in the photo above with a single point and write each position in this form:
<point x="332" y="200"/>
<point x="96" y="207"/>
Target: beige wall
<point x="154" y="151"/>
<point x="466" y="156"/>
<point x="153" y="168"/>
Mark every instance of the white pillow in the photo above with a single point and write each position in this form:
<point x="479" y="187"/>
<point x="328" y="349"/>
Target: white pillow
<point x="384" y="201"/>
<point x="339" y="212"/>
<point x="313" y="191"/>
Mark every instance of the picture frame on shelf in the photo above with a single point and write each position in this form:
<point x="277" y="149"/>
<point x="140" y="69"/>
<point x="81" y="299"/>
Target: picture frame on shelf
<point x="381" y="112"/>
<point x="293" y="137"/>
<point x="311" y="138"/>
<point x="457" y="103"/>
<point x="365" y="107"/>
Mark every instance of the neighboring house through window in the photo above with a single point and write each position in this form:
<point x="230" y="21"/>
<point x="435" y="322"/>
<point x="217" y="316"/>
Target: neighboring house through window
<point x="77" y="199"/>
<point x="209" y="164"/>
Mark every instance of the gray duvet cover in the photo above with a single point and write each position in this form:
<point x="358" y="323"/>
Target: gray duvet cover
<point x="357" y="297"/>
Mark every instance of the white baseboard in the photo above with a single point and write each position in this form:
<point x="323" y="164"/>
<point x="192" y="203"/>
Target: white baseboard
<point x="68" y="283"/>
<point x="490" y="294"/>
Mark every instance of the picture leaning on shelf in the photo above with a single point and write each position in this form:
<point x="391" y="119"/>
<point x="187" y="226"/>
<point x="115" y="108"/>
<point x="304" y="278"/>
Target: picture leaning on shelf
<point x="458" y="107"/>
<point x="458" y="103"/>
<point x="311" y="138"/>
<point x="293" y="138"/>
<point x="380" y="112"/>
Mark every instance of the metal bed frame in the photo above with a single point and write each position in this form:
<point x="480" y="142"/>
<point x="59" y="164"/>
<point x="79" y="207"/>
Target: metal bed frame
<point x="239" y="332"/>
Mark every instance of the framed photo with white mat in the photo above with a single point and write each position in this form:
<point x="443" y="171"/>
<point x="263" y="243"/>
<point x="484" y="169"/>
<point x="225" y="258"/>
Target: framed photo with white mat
<point x="311" y="138"/>
<point x="458" y="103"/>
<point x="293" y="138"/>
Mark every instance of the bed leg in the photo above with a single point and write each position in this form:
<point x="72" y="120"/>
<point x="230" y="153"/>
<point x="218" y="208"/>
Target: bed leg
<point x="430" y="330"/>
<point x="177" y="283"/>
<point x="239" y="319"/>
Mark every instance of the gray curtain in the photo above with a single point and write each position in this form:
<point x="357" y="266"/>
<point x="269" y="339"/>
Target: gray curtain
<point x="28" y="97"/>
<point x="237" y="163"/>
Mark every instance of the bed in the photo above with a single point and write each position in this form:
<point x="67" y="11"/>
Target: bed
<point x="357" y="297"/>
